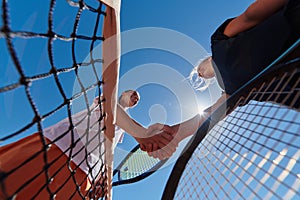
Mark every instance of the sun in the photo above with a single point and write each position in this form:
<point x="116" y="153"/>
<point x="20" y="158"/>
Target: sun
<point x="200" y="109"/>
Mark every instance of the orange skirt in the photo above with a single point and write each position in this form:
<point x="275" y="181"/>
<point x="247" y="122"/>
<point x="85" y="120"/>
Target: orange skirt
<point x="27" y="179"/>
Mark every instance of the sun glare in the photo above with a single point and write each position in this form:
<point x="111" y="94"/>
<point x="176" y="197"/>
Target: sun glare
<point x="200" y="109"/>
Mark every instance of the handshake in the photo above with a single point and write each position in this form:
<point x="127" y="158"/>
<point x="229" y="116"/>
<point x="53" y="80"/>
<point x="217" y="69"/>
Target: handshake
<point x="159" y="140"/>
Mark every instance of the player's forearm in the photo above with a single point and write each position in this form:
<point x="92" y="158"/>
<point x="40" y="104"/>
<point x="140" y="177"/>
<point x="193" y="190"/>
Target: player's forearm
<point x="189" y="127"/>
<point x="124" y="121"/>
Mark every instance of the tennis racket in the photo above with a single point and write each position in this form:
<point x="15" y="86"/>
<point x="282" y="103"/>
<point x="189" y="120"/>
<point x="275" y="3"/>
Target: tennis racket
<point x="136" y="166"/>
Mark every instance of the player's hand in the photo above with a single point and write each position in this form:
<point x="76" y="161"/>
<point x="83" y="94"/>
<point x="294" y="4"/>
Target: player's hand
<point x="157" y="136"/>
<point x="160" y="143"/>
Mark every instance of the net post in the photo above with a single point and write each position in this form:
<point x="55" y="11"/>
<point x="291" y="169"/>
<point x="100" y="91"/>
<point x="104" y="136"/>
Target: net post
<point x="111" y="57"/>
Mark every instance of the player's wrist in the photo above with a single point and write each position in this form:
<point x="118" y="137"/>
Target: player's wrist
<point x="140" y="133"/>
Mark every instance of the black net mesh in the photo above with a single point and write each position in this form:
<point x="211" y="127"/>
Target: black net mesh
<point x="254" y="152"/>
<point x="51" y="70"/>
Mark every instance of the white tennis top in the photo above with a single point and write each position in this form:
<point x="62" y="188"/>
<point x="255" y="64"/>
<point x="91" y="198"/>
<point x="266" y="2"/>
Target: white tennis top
<point x="88" y="153"/>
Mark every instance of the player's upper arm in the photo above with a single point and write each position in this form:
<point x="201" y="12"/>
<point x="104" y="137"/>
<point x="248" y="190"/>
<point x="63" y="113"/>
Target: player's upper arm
<point x="254" y="14"/>
<point x="261" y="10"/>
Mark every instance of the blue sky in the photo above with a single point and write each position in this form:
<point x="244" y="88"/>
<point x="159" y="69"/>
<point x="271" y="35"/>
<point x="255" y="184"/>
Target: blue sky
<point x="165" y="99"/>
